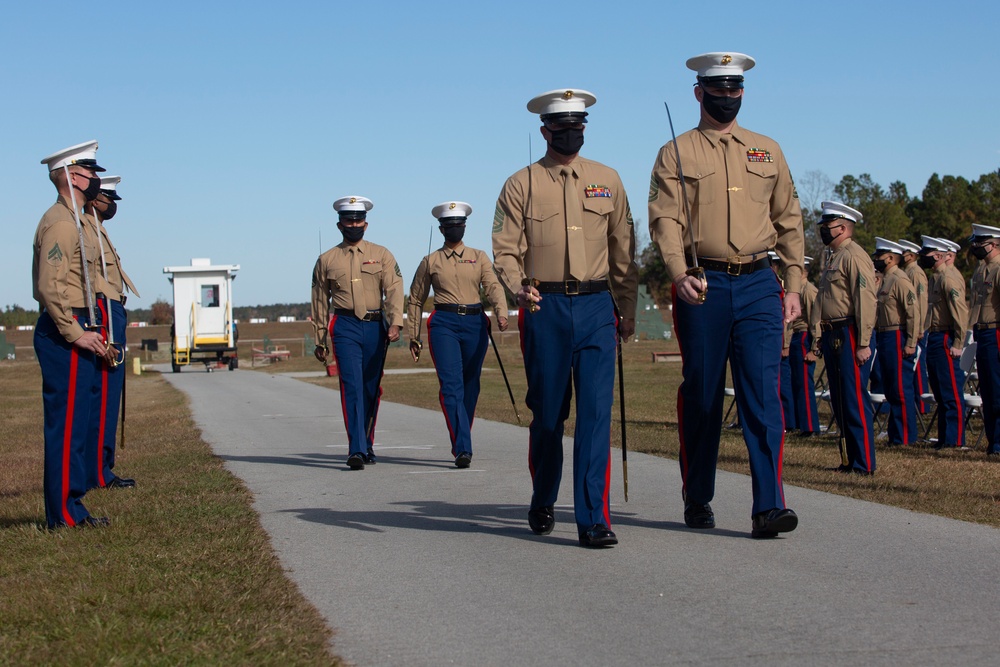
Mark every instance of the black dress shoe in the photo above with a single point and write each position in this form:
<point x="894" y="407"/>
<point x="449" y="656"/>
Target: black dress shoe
<point x="95" y="522"/>
<point x="770" y="523"/>
<point x="120" y="483"/>
<point x="356" y="461"/>
<point x="541" y="520"/>
<point x="598" y="536"/>
<point x="463" y="460"/>
<point x="699" y="516"/>
<point x="370" y="458"/>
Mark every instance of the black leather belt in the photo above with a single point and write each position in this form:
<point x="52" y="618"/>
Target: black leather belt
<point x="459" y="308"/>
<point x="839" y="323"/>
<point x="980" y="326"/>
<point x="572" y="287"/>
<point x="891" y="327"/>
<point x="733" y="268"/>
<point x="946" y="329"/>
<point x="101" y="295"/>
<point x="370" y="316"/>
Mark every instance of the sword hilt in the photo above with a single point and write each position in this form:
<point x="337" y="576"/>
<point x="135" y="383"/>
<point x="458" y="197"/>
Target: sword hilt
<point x="699" y="273"/>
<point x="531" y="282"/>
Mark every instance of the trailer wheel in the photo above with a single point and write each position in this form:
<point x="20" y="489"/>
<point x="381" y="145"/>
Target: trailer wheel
<point x="234" y="364"/>
<point x="175" y="366"/>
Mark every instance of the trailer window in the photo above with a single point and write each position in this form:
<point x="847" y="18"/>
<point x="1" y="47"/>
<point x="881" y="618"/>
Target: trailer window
<point x="209" y="296"/>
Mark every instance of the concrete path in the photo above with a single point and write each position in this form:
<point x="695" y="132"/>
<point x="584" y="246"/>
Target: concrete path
<point x="414" y="562"/>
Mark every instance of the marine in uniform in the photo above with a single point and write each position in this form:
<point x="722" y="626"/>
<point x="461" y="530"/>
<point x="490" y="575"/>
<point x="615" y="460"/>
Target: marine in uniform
<point x="947" y="319"/>
<point x="802" y="361"/>
<point x="984" y="320"/>
<point x="110" y="285"/>
<point x="564" y="246"/>
<point x="458" y="328"/>
<point x="357" y="300"/>
<point x="845" y="304"/>
<point x="896" y="340"/>
<point x="918" y="277"/>
<point x="67" y="344"/>
<point x="742" y="203"/>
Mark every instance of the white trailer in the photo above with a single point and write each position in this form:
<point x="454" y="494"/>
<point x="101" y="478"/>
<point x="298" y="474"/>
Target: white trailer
<point x="203" y="327"/>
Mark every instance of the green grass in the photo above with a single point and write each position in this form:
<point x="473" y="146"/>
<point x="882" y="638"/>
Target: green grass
<point x="185" y="574"/>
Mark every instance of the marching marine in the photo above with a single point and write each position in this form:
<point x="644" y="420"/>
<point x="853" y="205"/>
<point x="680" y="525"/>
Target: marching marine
<point x="564" y="247"/>
<point x="457" y="329"/>
<point x="729" y="305"/>
<point x="357" y="305"/>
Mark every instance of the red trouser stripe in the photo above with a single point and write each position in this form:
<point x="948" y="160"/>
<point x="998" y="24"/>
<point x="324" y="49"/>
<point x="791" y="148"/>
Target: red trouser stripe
<point x="861" y="408"/>
<point x="901" y="391"/>
<point x="74" y="358"/>
<point x="805" y="383"/>
<point x="954" y="390"/>
<point x="680" y="396"/>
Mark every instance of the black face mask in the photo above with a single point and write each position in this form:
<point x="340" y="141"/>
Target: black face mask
<point x="567" y="142"/>
<point x="926" y="262"/>
<point x="826" y="235"/>
<point x="110" y="211"/>
<point x="721" y="109"/>
<point x="93" y="188"/>
<point x="879" y="265"/>
<point x="980" y="252"/>
<point x="453" y="233"/>
<point x="352" y="234"/>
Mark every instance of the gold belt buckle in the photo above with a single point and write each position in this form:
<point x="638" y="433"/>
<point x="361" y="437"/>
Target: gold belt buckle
<point x="738" y="265"/>
<point x="572" y="287"/>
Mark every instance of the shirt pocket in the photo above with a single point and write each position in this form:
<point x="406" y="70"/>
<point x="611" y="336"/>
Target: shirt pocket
<point x="698" y="182"/>
<point x="761" y="177"/>
<point x="596" y="211"/>
<point x="543" y="227"/>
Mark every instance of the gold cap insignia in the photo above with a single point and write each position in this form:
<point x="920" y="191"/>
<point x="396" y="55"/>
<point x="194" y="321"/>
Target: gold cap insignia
<point x="726" y="59"/>
<point x="568" y="94"/>
<point x="354" y="200"/>
<point x="452" y="206"/>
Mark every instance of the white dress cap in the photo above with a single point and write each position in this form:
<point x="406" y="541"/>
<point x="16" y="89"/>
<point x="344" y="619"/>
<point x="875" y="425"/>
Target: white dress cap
<point x="933" y="243"/>
<point x="885" y="245"/>
<point x="353" y="203"/>
<point x="838" y="210"/>
<point x="564" y="100"/>
<point x="451" y="209"/>
<point x="950" y="245"/>
<point x="908" y="246"/>
<point x="109" y="186"/>
<point x="986" y="231"/>
<point x="721" y="63"/>
<point x="84" y="154"/>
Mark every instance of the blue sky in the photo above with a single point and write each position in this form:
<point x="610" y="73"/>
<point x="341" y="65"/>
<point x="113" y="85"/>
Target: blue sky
<point x="235" y="125"/>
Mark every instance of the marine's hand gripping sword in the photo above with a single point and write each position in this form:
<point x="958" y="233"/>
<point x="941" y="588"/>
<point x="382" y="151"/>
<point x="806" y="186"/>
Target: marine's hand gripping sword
<point x="696" y="271"/>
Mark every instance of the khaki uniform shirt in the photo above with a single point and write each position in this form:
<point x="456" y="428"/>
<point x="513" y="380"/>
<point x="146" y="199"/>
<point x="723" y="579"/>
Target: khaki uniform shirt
<point x="457" y="275"/>
<point x="530" y="229"/>
<point x="946" y="307"/>
<point x="918" y="277"/>
<point x="802" y="323"/>
<point x="985" y="293"/>
<point x="847" y="289"/>
<point x="332" y="280"/>
<point x="741" y="197"/>
<point x="111" y="277"/>
<point x="58" y="280"/>
<point x="897" y="304"/>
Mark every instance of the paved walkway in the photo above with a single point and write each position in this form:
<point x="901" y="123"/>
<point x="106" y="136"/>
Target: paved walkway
<point x="413" y="562"/>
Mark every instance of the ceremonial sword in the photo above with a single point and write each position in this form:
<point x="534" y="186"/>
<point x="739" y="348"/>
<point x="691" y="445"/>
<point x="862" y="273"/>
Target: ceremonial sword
<point x="696" y="271"/>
